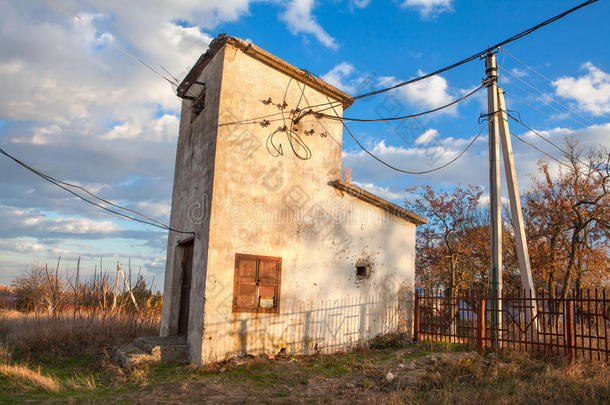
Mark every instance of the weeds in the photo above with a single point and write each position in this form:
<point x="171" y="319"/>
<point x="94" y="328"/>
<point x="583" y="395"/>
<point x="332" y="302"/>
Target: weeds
<point x="22" y="377"/>
<point x="86" y="331"/>
<point x="441" y="375"/>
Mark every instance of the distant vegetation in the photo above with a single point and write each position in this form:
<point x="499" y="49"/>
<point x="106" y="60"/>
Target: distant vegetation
<point x="56" y="315"/>
<point x="567" y="220"/>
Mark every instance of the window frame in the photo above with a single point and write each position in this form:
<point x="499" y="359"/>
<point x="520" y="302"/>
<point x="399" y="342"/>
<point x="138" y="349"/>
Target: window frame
<point x="273" y="310"/>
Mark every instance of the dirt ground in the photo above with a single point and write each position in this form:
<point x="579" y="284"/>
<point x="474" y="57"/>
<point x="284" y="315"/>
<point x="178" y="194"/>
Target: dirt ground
<point x="351" y="380"/>
<point x="404" y="373"/>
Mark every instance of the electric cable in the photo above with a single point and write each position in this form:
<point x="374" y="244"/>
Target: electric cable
<point x="481" y="53"/>
<point x="539" y="150"/>
<point x="401" y="170"/>
<point x="319" y="121"/>
<point x="543" y="94"/>
<point x="548" y="80"/>
<point x="64" y="186"/>
<point x="71" y="14"/>
<point x="415" y="172"/>
<point x="403" y="117"/>
<point x="544" y="138"/>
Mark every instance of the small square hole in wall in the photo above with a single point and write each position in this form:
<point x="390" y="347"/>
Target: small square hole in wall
<point x="362" y="271"/>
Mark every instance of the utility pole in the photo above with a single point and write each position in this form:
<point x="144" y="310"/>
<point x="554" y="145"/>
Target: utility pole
<point x="116" y="284"/>
<point x="495" y="208"/>
<point x="527" y="281"/>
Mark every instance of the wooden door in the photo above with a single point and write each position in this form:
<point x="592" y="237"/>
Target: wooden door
<point x="185" y="290"/>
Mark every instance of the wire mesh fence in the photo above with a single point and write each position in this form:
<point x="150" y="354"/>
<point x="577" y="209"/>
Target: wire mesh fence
<point x="577" y="325"/>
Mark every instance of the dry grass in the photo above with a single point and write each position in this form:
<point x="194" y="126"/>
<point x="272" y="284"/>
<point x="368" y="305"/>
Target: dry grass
<point x="23" y="377"/>
<point x="514" y="378"/>
<point x="423" y="373"/>
<point x="31" y="334"/>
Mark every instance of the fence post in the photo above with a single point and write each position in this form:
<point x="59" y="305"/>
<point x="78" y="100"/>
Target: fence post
<point x="569" y="327"/>
<point x="416" y="316"/>
<point x="481" y="325"/>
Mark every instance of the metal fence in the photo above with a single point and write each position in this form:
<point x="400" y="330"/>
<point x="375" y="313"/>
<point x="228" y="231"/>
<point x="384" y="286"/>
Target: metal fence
<point x="576" y="326"/>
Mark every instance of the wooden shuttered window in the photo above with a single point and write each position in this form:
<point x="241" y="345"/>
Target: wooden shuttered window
<point x="256" y="286"/>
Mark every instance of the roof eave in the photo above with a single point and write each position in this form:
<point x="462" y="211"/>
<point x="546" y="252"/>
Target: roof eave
<point x="377" y="201"/>
<point x="265" y="57"/>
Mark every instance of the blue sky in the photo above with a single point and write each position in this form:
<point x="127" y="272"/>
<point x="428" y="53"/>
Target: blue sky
<point x="76" y="107"/>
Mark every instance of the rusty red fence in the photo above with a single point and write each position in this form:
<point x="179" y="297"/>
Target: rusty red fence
<point x="575" y="326"/>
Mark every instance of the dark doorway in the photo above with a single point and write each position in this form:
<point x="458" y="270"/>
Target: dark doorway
<point x="185" y="291"/>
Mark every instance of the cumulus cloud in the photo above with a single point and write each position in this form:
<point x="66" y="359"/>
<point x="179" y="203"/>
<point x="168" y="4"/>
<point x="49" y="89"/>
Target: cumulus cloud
<point x="298" y="16"/>
<point x="428" y="136"/>
<point x="471" y="168"/>
<point x="428" y="8"/>
<point x="337" y="77"/>
<point x="383" y="192"/>
<point x="21" y="245"/>
<point x="122" y="131"/>
<point x="82" y="226"/>
<point x="591" y="91"/>
<point x="41" y="136"/>
<point x="78" y="108"/>
<point x="10" y="67"/>
<point x="428" y="93"/>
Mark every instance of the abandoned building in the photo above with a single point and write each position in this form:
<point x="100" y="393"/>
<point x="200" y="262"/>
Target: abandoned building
<point x="286" y="256"/>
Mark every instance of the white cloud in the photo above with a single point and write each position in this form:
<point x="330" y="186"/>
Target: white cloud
<point x="40" y="136"/>
<point x="426" y="137"/>
<point x="165" y="128"/>
<point x="83" y="111"/>
<point x="162" y="129"/>
<point x="337" y="75"/>
<point x="591" y="91"/>
<point x="429" y="93"/>
<point x="518" y="72"/>
<point x="360" y="3"/>
<point x="428" y="8"/>
<point x="155" y="209"/>
<point x="21" y="245"/>
<point x="471" y="168"/>
<point x="383" y="192"/>
<point x="123" y="131"/>
<point x="81" y="226"/>
<point x="13" y="66"/>
<point x="299" y="20"/>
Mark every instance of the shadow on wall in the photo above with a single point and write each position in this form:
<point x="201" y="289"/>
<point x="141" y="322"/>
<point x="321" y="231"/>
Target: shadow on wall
<point x="324" y="328"/>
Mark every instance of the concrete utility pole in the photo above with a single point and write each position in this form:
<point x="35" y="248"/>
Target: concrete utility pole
<point x="495" y="207"/>
<point x="527" y="281"/>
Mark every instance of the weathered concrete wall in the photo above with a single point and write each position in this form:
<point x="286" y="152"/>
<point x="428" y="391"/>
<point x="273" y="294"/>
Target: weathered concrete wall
<point x="193" y="181"/>
<point x="283" y="206"/>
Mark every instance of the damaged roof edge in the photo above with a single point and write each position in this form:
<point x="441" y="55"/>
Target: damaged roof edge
<point x="370" y="198"/>
<point x="265" y="57"/>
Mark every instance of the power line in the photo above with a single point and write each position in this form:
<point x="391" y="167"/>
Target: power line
<point x="481" y="53"/>
<point x="542" y="93"/>
<point x="403" y="117"/>
<point x="67" y="12"/>
<point x="537" y="98"/>
<point x="526" y="100"/>
<point x="64" y="186"/>
<point x="544" y="138"/>
<point x="539" y="150"/>
<point x="401" y="170"/>
<point x="320" y="122"/>
<point x="415" y="172"/>
<point x="263" y="117"/>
